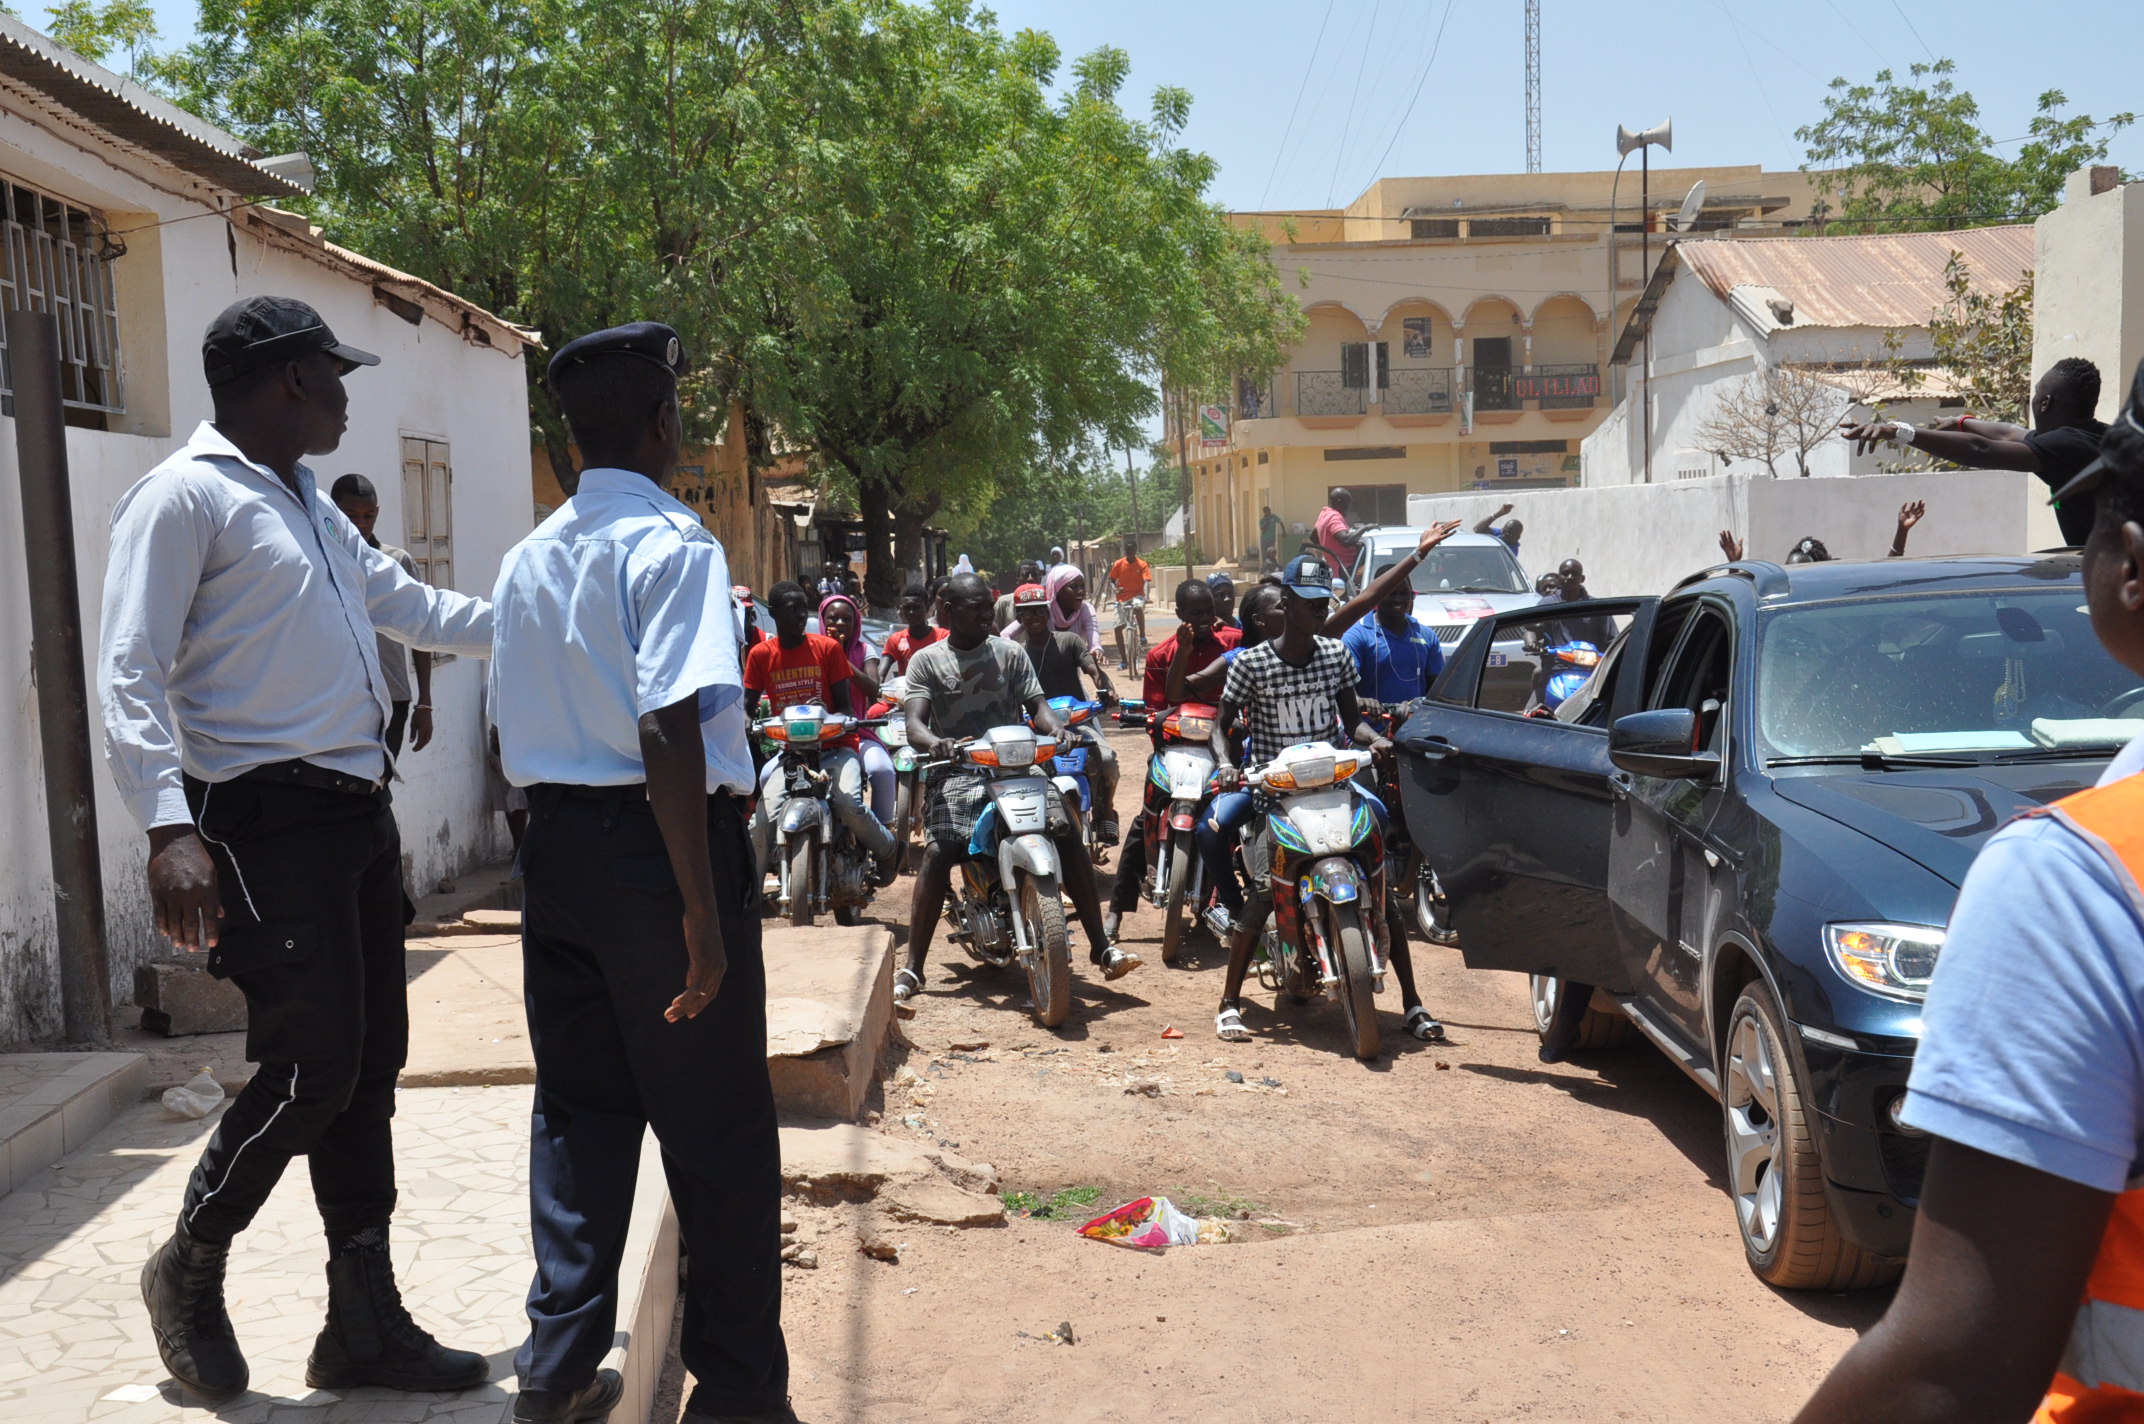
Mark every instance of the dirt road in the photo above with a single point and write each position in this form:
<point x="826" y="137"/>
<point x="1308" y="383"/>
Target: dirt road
<point x="1475" y="1236"/>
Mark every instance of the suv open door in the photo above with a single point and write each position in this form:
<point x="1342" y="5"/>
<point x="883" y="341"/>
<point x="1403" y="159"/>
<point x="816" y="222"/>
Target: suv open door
<point x="1510" y="802"/>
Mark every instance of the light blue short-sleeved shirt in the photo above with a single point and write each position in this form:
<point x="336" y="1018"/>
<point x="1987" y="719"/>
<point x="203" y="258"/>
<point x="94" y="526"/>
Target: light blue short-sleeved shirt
<point x="2032" y="1044"/>
<point x="617" y="605"/>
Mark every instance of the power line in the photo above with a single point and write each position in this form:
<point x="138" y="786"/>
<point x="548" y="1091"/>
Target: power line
<point x="1369" y="36"/>
<point x="1909" y="25"/>
<point x="1289" y="127"/>
<point x="1419" y="84"/>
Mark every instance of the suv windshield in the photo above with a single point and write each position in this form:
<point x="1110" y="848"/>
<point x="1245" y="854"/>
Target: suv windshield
<point x="1974" y="676"/>
<point x="1465" y="568"/>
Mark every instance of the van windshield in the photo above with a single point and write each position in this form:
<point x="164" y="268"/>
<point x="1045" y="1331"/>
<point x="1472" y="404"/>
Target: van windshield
<point x="1972" y="676"/>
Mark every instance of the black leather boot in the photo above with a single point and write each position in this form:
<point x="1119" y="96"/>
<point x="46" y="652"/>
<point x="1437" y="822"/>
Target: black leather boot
<point x="370" y="1338"/>
<point x="182" y="1284"/>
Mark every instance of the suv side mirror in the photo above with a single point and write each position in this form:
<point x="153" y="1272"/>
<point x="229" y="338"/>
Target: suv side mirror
<point x="1661" y="743"/>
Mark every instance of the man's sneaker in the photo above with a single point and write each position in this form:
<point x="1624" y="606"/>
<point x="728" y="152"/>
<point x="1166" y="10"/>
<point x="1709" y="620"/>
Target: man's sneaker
<point x="182" y="1284"/>
<point x="1115" y="963"/>
<point x="1220" y="922"/>
<point x="592" y="1401"/>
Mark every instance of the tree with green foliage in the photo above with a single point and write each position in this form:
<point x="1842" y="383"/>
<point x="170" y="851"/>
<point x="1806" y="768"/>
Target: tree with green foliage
<point x="1911" y="156"/>
<point x="95" y="31"/>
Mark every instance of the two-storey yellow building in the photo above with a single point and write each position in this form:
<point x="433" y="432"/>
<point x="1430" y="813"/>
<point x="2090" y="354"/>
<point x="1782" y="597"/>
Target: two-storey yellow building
<point x="1459" y="337"/>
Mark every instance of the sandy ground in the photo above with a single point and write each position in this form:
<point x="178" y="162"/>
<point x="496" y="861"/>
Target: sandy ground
<point x="1472" y="1235"/>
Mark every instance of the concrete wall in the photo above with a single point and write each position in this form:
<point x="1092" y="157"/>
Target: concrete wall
<point x="431" y="382"/>
<point x="2088" y="297"/>
<point x="1645" y="538"/>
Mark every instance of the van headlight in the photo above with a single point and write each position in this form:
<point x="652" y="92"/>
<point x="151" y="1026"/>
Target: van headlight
<point x="1895" y="961"/>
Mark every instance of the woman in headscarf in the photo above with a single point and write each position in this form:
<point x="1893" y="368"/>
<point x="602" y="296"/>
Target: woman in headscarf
<point x="844" y="623"/>
<point x="1070" y="612"/>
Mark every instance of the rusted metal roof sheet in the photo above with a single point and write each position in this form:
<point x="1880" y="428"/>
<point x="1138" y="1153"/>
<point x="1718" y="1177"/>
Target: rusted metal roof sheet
<point x="1883" y="280"/>
<point x="132" y="115"/>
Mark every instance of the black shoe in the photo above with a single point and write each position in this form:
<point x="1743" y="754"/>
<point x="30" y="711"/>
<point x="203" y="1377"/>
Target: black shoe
<point x="780" y="1414"/>
<point x="182" y="1284"/>
<point x="594" y="1400"/>
<point x="370" y="1338"/>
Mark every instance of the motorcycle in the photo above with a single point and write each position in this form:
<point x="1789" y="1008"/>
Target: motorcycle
<point x="1005" y="907"/>
<point x="1071" y="774"/>
<point x="1182" y="770"/>
<point x="1412" y="880"/>
<point x="1564" y="669"/>
<point x="907" y="778"/>
<point x="825" y="838"/>
<point x="1320" y="847"/>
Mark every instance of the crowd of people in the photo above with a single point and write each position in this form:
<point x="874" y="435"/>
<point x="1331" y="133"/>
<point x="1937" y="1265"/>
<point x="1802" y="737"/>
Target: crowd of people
<point x="255" y="703"/>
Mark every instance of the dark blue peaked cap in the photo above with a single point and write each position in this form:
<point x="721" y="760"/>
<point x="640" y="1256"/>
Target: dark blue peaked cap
<point x="649" y="341"/>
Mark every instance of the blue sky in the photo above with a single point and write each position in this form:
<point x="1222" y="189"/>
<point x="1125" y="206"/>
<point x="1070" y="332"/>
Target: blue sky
<point x="1738" y="76"/>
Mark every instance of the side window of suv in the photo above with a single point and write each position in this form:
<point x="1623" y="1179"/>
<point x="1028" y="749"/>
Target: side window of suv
<point x="1698" y="674"/>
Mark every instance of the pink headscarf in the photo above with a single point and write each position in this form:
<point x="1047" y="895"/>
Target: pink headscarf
<point x="1081" y="621"/>
<point x="859" y="651"/>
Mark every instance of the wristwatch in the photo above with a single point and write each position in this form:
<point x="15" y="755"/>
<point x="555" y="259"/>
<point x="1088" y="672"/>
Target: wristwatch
<point x="1903" y="432"/>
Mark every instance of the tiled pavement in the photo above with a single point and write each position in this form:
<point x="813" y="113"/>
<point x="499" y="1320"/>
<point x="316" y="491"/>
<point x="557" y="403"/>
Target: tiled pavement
<point x="74" y="1343"/>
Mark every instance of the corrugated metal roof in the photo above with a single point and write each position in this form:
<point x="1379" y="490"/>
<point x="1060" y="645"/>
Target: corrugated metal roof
<point x="134" y="116"/>
<point x="1882" y="280"/>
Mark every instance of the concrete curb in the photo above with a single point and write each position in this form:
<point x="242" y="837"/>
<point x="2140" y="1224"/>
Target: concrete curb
<point x="648" y="1281"/>
<point x="56" y="1116"/>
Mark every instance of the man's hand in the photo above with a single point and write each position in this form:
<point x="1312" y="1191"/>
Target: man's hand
<point x="1436" y="534"/>
<point x="1227" y="778"/>
<point x="1380" y="746"/>
<point x="706" y="962"/>
<point x="420" y="728"/>
<point x="182" y="888"/>
<point x="1501" y="511"/>
<point x="1867" y="435"/>
<point x="1909" y="513"/>
<point x="1730" y="546"/>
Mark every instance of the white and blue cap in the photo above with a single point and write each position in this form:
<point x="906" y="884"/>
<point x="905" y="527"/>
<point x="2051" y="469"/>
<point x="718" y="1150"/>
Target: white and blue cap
<point x="1308" y="576"/>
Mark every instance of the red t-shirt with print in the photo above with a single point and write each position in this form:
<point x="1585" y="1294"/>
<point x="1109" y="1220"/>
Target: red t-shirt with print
<point x="789" y="677"/>
<point x="901" y="645"/>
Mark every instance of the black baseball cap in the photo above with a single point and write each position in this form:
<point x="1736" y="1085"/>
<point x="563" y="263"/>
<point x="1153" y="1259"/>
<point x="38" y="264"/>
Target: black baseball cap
<point x="1308" y="576"/>
<point x="257" y="332"/>
<point x="649" y="341"/>
<point x="2121" y="450"/>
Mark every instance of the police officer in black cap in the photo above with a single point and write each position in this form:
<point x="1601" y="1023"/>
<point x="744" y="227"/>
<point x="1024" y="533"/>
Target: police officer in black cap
<point x="619" y="703"/>
<point x="245" y="717"/>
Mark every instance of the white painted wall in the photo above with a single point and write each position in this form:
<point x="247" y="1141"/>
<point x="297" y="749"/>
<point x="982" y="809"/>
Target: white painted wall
<point x="174" y="278"/>
<point x="1646" y="538"/>
<point x="2088" y="295"/>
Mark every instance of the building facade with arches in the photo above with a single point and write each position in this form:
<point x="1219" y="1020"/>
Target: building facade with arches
<point x="1458" y="338"/>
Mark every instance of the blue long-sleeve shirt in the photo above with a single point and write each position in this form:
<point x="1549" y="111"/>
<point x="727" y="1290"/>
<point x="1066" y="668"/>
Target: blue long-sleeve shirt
<point x="239" y="629"/>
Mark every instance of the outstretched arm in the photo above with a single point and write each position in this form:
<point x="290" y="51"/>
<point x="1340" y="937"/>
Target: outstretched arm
<point x="1960" y="447"/>
<point x="1909" y="514"/>
<point x="1348" y="614"/>
<point x="1730" y="546"/>
<point x="1481" y="526"/>
<point x="2000" y="1256"/>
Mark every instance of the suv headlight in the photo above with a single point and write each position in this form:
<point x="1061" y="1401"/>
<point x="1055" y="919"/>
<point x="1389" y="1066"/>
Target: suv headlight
<point x="1895" y="961"/>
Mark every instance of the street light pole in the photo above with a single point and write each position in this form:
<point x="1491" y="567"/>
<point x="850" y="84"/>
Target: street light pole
<point x="1664" y="135"/>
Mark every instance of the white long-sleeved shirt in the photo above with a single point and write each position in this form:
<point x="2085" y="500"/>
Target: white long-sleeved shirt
<point x="239" y="620"/>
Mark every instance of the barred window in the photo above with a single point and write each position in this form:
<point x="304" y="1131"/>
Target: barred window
<point x="57" y="260"/>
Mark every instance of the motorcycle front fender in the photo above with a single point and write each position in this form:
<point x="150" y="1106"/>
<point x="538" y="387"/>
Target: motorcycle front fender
<point x="1031" y="853"/>
<point x="1336" y="879"/>
<point x="802" y="813"/>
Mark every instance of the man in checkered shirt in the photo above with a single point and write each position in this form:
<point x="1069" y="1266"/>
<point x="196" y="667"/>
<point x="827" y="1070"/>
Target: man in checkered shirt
<point x="1299" y="687"/>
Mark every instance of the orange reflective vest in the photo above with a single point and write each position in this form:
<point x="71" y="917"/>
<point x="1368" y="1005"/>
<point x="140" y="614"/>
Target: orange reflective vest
<point x="2101" y="1377"/>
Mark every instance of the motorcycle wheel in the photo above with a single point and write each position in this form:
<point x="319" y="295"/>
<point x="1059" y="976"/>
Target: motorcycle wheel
<point x="1172" y="927"/>
<point x="1049" y="969"/>
<point x="800" y="859"/>
<point x="1351" y="947"/>
<point x="1432" y="911"/>
<point x="904" y="815"/>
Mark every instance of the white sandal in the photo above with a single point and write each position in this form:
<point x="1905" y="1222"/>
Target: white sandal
<point x="1228" y="1026"/>
<point x="906" y="985"/>
<point x="1422" y="1026"/>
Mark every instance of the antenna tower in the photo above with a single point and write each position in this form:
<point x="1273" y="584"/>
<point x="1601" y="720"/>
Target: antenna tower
<point x="1533" y="86"/>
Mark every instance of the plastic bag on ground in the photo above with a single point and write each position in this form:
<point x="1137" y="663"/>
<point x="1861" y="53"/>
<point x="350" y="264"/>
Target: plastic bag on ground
<point x="1150" y="1222"/>
<point x="196" y="1098"/>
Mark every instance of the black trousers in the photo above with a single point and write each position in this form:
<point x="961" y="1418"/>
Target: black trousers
<point x="311" y="882"/>
<point x="603" y="953"/>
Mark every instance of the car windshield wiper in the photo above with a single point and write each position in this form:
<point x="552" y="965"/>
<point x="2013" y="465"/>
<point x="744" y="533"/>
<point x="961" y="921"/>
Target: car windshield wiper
<point x="1480" y="588"/>
<point x="1873" y="761"/>
<point x="2057" y="753"/>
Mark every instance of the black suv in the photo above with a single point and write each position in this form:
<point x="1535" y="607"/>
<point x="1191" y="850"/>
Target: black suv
<point x="1745" y="830"/>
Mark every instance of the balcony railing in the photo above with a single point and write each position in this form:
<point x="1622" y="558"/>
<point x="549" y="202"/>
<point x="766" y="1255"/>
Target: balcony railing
<point x="1322" y="393"/>
<point x="1416" y="391"/>
<point x="1424" y="390"/>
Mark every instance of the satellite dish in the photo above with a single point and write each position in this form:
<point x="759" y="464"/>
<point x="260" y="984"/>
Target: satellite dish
<point x="1662" y="133"/>
<point x="1691" y="206"/>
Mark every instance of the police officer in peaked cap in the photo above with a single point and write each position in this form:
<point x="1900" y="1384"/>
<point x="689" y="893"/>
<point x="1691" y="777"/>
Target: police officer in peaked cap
<point x="619" y="703"/>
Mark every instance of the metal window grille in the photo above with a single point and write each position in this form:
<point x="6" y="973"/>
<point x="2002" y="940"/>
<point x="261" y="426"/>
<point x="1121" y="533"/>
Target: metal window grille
<point x="57" y="259"/>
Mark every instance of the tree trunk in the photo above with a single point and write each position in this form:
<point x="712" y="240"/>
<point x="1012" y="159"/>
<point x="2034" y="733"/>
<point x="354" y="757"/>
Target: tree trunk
<point x="882" y="580"/>
<point x="911" y="517"/>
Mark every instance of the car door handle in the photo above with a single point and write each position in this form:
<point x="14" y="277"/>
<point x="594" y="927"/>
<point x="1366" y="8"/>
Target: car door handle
<point x="1428" y="748"/>
<point x="1621" y="781"/>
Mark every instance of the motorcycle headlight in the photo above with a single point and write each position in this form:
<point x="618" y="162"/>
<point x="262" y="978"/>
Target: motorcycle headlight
<point x="1895" y="961"/>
